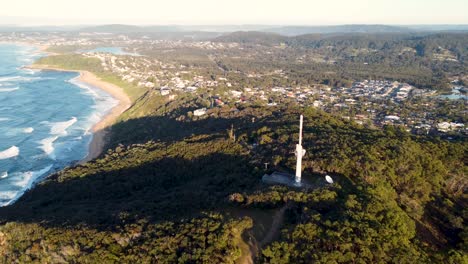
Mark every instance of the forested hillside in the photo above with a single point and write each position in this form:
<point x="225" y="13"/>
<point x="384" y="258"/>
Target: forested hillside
<point x="175" y="188"/>
<point x="421" y="59"/>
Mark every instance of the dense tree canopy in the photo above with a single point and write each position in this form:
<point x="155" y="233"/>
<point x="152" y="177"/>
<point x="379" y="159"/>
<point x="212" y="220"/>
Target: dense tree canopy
<point x="176" y="188"/>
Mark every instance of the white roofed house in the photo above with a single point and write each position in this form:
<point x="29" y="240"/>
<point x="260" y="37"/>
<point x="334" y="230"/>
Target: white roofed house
<point x="449" y="126"/>
<point x="199" y="112"/>
<point x="165" y="90"/>
<point x="443" y="127"/>
<point x="236" y="93"/>
<point x="191" y="89"/>
<point x="180" y="85"/>
<point x="317" y="103"/>
<point x="392" y="118"/>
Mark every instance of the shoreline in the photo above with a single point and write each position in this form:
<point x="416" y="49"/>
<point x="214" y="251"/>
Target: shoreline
<point x="101" y="129"/>
<point x="42" y="48"/>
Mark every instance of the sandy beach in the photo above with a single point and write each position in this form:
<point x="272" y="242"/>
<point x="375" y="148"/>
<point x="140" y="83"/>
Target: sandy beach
<point x="101" y="129"/>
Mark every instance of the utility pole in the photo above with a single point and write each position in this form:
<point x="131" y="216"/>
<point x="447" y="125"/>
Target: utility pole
<point x="232" y="134"/>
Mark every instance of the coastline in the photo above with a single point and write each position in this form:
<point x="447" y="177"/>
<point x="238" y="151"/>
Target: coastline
<point x="101" y="129"/>
<point x="41" y="48"/>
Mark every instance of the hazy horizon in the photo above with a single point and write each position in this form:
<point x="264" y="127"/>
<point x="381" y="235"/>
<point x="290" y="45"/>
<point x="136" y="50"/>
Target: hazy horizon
<point x="210" y="12"/>
<point x="226" y="24"/>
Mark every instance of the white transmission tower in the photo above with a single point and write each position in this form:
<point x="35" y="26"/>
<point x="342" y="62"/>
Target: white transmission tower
<point x="300" y="152"/>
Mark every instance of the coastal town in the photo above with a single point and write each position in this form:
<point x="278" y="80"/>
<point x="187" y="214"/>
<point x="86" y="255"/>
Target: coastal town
<point x="369" y="102"/>
<point x="234" y="132"/>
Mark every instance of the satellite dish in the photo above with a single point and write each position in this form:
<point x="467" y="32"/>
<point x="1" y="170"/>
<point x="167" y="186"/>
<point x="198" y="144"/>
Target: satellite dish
<point x="329" y="179"/>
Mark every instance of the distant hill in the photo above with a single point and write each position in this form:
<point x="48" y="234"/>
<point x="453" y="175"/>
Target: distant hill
<point x="277" y="29"/>
<point x="111" y="28"/>
<point x="254" y="37"/>
<point x="301" y="30"/>
<point x="225" y="28"/>
<point x="158" y="32"/>
<point x="275" y="35"/>
<point x="15" y="28"/>
<point x="439" y="27"/>
<point x="118" y="28"/>
<point x="270" y="39"/>
<point x="282" y="30"/>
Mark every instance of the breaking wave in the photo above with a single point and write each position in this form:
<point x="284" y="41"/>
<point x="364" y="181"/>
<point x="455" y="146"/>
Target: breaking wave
<point x="22" y="78"/>
<point x="12" y="78"/>
<point x="29" y="177"/>
<point x="47" y="145"/>
<point x="40" y="136"/>
<point x="84" y="86"/>
<point x="24" y="182"/>
<point x="9" y="153"/>
<point x="4" y="90"/>
<point x="28" y="130"/>
<point x="30" y="71"/>
<point x="60" y="128"/>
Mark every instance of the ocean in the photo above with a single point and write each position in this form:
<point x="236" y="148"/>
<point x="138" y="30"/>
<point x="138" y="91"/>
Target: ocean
<point x="45" y="120"/>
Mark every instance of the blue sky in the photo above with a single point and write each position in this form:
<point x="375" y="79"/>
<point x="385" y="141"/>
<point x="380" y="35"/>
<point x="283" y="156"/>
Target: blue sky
<point x="299" y="12"/>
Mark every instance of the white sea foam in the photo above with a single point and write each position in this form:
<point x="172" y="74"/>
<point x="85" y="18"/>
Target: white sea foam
<point x="7" y="196"/>
<point x="4" y="175"/>
<point x="23" y="51"/>
<point x="47" y="145"/>
<point x="60" y="128"/>
<point x="9" y="153"/>
<point x="22" y="78"/>
<point x="84" y="86"/>
<point x="25" y="181"/>
<point x="4" y="119"/>
<point x="12" y="78"/>
<point x="94" y="118"/>
<point x="57" y="129"/>
<point x="28" y="130"/>
<point x="103" y="103"/>
<point x="30" y="71"/>
<point x="4" y="90"/>
<point x="28" y="79"/>
<point x="27" y="178"/>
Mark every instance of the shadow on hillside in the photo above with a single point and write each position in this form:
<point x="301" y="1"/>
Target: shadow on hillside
<point x="166" y="189"/>
<point x="169" y="129"/>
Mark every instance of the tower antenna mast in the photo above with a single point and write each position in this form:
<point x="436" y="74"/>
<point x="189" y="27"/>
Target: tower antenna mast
<point x="300" y="152"/>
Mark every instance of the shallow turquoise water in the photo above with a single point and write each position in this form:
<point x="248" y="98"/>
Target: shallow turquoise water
<point x="455" y="95"/>
<point x="45" y="120"/>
